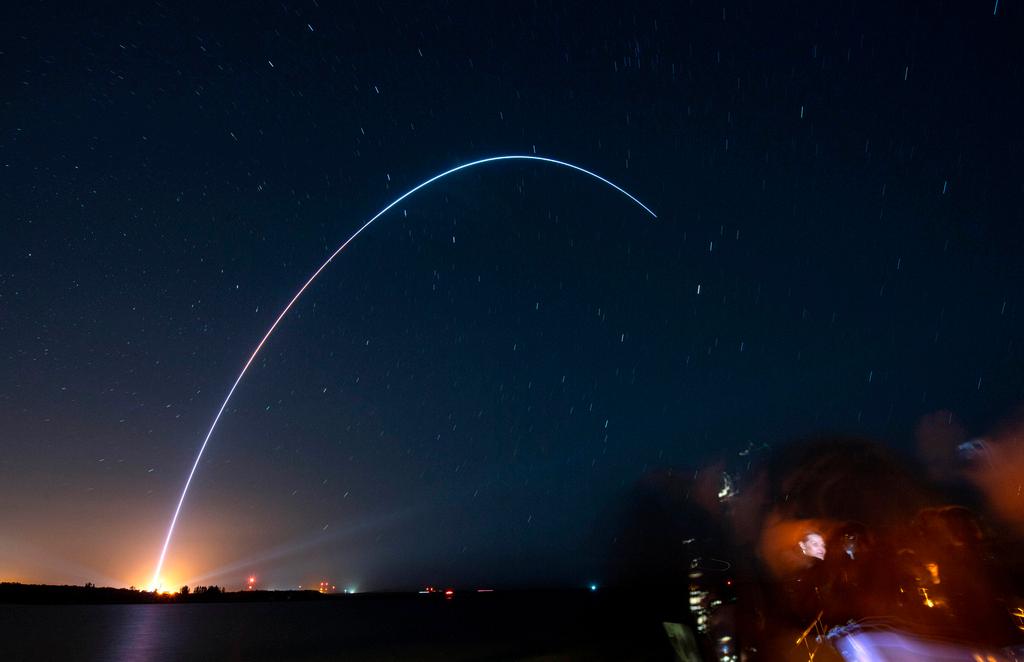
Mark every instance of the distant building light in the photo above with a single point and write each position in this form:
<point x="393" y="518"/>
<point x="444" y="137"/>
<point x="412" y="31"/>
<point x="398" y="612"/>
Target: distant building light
<point x="593" y="587"/>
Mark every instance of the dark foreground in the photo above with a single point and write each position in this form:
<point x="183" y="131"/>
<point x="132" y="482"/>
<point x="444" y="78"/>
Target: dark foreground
<point x="494" y="626"/>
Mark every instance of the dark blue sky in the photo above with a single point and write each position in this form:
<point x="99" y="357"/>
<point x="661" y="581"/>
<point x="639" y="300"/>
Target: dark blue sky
<point x="469" y="390"/>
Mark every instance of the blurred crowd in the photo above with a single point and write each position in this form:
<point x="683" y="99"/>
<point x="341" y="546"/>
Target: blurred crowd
<point x="841" y="548"/>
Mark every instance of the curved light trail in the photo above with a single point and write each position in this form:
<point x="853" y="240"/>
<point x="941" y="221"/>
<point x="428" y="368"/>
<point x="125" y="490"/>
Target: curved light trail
<point x="216" y="419"/>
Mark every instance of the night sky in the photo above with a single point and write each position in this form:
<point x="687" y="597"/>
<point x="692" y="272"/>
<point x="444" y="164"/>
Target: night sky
<point x="468" y="391"/>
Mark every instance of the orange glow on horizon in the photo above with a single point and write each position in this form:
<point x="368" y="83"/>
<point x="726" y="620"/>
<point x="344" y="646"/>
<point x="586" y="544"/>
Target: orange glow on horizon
<point x="169" y="582"/>
<point x="163" y="586"/>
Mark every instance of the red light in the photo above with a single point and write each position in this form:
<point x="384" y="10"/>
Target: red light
<point x="449" y="592"/>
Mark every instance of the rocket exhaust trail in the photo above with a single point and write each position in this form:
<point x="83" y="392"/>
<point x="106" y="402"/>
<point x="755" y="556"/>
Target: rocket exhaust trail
<point x="270" y="331"/>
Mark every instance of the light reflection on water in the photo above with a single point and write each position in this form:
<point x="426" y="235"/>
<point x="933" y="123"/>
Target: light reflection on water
<point x="134" y="633"/>
<point x="230" y="631"/>
<point x="471" y="627"/>
<point x="145" y="633"/>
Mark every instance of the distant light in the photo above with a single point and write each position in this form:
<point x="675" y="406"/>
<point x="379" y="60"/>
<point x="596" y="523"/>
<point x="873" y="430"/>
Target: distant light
<point x="485" y="590"/>
<point x="448" y="592"/>
<point x="593" y="587"/>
